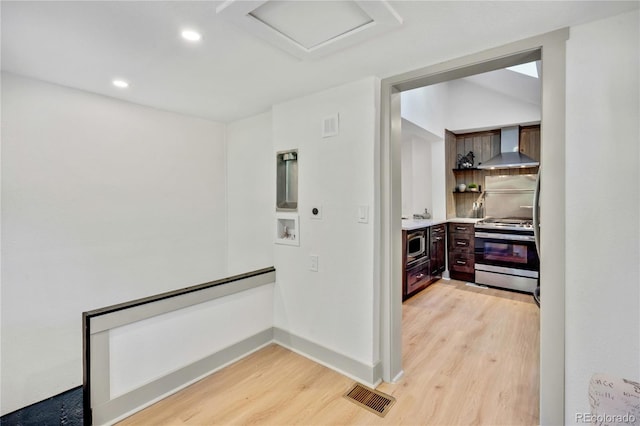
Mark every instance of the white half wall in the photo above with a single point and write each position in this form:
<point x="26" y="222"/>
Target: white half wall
<point x="251" y="195"/>
<point x="603" y="206"/>
<point x="333" y="307"/>
<point x="103" y="201"/>
<point x="150" y="349"/>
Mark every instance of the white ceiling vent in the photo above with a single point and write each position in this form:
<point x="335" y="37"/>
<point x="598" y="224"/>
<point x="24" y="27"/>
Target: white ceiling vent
<point x="330" y="126"/>
<point x="308" y="29"/>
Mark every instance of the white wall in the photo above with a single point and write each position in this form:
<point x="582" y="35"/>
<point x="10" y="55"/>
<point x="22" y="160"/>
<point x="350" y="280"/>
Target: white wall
<point x="407" y="176"/>
<point x="334" y="306"/>
<point x="462" y="105"/>
<point x="251" y="194"/>
<point x="438" y="180"/>
<point x="603" y="206"/>
<point x="422" y="176"/>
<point x="427" y="107"/>
<point x="471" y="106"/>
<point x="102" y="201"/>
<point x="420" y="180"/>
<point x="416" y="175"/>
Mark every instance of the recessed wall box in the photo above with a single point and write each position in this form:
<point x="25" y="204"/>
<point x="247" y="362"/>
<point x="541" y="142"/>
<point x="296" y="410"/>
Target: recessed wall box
<point x="287" y="229"/>
<point x="287" y="180"/>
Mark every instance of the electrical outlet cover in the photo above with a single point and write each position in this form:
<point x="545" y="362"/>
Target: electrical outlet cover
<point x="313" y="262"/>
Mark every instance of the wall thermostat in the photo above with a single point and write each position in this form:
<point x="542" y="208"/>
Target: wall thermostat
<point x="316" y="212"/>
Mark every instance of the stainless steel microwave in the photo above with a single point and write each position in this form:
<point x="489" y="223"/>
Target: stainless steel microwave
<point x="416" y="245"/>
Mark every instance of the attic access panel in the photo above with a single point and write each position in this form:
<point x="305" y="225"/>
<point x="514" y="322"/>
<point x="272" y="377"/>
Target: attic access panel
<point x="309" y="29"/>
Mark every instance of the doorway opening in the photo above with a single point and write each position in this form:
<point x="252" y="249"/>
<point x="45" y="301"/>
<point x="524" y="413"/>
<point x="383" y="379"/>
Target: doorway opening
<point x="477" y="338"/>
<point x="550" y="48"/>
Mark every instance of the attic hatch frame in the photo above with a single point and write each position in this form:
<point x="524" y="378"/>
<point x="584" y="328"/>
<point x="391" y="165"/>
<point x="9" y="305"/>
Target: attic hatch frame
<point x="551" y="49"/>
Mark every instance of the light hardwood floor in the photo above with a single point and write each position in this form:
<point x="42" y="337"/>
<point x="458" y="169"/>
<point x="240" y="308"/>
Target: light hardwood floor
<point x="470" y="357"/>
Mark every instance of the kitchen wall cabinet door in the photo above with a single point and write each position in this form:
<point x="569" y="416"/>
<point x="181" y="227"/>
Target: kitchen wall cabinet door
<point x="530" y="141"/>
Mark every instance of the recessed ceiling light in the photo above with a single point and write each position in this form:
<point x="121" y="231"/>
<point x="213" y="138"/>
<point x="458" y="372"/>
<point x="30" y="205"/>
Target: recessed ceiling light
<point x="191" y="35"/>
<point x="121" y="84"/>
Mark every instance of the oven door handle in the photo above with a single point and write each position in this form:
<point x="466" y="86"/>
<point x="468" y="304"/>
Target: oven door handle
<point x="511" y="237"/>
<point x="536" y="211"/>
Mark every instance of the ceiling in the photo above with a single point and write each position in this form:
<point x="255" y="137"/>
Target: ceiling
<point x="510" y="83"/>
<point x="232" y="73"/>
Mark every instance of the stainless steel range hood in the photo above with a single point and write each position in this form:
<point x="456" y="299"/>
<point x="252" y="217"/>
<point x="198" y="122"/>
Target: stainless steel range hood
<point x="510" y="156"/>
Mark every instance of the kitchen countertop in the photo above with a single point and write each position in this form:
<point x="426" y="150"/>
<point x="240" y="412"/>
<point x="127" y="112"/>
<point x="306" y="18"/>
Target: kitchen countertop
<point x="411" y="224"/>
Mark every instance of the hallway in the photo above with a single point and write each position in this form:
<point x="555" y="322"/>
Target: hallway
<point x="471" y="356"/>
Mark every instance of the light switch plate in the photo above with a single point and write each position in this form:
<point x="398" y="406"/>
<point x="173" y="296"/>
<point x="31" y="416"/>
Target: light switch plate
<point x="313" y="262"/>
<point x="363" y="214"/>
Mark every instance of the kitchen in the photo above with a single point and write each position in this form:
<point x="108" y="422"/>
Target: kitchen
<point x="467" y="278"/>
<point x="490" y="171"/>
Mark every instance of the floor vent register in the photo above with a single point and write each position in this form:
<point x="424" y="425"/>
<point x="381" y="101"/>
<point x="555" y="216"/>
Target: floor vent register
<point x="369" y="399"/>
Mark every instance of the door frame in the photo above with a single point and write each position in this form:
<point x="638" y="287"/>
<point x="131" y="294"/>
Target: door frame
<point x="550" y="48"/>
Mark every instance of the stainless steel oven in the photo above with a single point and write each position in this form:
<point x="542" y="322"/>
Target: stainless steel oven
<point x="505" y="245"/>
<point x="507" y="258"/>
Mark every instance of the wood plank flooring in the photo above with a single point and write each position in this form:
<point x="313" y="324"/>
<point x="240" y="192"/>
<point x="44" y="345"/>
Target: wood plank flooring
<point x="470" y="357"/>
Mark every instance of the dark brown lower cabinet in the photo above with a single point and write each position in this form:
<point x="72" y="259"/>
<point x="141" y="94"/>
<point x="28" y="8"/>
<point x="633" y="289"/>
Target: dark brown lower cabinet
<point x="418" y="274"/>
<point x="461" y="251"/>
<point x="438" y="248"/>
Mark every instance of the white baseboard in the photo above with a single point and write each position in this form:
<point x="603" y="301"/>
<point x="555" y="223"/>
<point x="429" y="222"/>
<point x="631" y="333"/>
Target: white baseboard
<point x="370" y="375"/>
<point x="398" y="377"/>
<point x="136" y="400"/>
